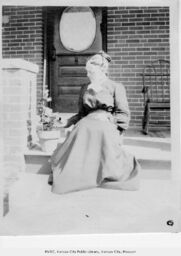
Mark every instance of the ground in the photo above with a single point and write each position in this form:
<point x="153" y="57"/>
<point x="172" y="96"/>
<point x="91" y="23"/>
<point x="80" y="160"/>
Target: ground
<point x="35" y="210"/>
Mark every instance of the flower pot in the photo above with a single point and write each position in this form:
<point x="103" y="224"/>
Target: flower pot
<point x="49" y="140"/>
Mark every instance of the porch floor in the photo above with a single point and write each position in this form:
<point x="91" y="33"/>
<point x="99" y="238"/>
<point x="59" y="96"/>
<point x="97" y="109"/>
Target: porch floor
<point x="35" y="210"/>
<point x="40" y="212"/>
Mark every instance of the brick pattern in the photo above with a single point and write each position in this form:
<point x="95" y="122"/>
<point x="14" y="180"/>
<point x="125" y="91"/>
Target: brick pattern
<point x="136" y="36"/>
<point x="22" y="37"/>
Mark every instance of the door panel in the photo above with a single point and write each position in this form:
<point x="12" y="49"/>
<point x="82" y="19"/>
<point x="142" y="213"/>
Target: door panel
<point x="73" y="70"/>
<point x="69" y="60"/>
<point x="72" y="90"/>
<point x="66" y="103"/>
<point x="67" y="68"/>
<point x="70" y="77"/>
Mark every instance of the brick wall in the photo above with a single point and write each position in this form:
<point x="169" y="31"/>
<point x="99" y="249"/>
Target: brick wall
<point x="22" y="35"/>
<point x="136" y="36"/>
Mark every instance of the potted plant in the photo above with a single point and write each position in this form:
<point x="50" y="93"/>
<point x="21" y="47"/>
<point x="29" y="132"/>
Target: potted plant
<point x="49" y="125"/>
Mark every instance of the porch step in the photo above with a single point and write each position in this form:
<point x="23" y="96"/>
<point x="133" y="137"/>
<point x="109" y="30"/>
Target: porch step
<point x="153" y="154"/>
<point x="35" y="210"/>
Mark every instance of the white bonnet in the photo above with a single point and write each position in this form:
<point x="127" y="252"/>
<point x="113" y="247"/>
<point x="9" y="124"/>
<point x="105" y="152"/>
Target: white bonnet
<point x="101" y="59"/>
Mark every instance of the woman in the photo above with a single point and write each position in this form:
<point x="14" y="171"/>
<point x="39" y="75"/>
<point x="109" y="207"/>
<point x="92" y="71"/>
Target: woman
<point x="92" y="155"/>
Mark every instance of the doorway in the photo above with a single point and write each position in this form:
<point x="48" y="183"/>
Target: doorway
<point x="73" y="34"/>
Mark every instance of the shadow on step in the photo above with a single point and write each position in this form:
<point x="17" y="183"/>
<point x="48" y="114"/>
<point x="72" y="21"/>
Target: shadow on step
<point x="38" y="164"/>
<point x="155" y="165"/>
<point x="148" y="144"/>
<point x="45" y="169"/>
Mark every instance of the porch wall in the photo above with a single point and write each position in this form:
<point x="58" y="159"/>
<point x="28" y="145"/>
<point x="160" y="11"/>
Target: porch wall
<point x="22" y="36"/>
<point x="135" y="36"/>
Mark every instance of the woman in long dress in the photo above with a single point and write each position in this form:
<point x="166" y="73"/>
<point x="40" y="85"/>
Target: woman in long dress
<point x="92" y="154"/>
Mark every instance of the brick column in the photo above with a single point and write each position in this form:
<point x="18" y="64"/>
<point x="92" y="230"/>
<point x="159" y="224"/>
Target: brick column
<point x="19" y="94"/>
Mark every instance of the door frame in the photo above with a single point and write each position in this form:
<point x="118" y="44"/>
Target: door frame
<point x="49" y="41"/>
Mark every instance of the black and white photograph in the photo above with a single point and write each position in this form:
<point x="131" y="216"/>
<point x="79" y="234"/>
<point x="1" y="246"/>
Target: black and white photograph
<point x="91" y="118"/>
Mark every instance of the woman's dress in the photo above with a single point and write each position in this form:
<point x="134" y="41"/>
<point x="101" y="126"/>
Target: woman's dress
<point x="92" y="154"/>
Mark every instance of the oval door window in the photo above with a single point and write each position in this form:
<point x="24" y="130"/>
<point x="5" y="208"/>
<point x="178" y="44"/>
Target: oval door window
<point x="77" y="28"/>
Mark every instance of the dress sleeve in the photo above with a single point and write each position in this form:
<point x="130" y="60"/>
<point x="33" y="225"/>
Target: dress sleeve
<point x="81" y="113"/>
<point x="121" y="108"/>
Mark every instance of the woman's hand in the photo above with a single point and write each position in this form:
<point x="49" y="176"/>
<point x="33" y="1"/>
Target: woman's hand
<point x="64" y="123"/>
<point x="72" y="121"/>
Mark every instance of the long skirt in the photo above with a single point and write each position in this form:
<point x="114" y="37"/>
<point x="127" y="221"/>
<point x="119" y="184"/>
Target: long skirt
<point x="92" y="156"/>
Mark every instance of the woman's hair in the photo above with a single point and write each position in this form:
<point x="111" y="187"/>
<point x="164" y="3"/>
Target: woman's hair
<point x="101" y="59"/>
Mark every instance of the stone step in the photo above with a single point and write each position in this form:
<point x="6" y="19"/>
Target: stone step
<point x="151" y="158"/>
<point x="152" y="154"/>
<point x="40" y="164"/>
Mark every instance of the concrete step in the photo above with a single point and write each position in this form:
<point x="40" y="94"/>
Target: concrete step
<point x="35" y="210"/>
<point x="160" y="169"/>
<point x="153" y="154"/>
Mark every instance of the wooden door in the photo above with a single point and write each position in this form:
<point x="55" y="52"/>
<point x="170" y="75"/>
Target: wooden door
<point x="67" y="66"/>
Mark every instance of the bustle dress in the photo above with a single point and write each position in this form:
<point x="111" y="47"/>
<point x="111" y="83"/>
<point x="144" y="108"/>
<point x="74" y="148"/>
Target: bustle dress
<point x="92" y="155"/>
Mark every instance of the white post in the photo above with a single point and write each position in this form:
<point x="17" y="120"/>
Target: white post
<point x="19" y="92"/>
